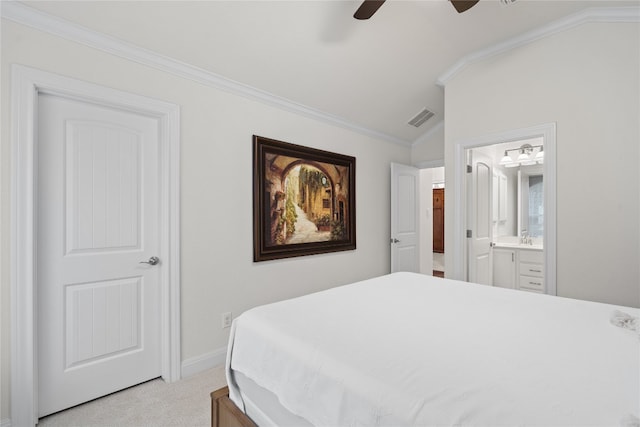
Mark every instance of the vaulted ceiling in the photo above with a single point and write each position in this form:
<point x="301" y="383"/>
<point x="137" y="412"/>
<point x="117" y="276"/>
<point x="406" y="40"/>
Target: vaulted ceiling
<point x="375" y="74"/>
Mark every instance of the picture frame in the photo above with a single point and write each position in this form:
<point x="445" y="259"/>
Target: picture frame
<point x="303" y="200"/>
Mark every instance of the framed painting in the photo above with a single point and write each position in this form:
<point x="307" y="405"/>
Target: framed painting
<point x="303" y="200"/>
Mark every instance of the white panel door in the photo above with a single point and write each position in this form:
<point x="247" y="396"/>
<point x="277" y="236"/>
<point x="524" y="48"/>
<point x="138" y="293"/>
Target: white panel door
<point x="405" y="218"/>
<point x="98" y="305"/>
<point x="480" y="263"/>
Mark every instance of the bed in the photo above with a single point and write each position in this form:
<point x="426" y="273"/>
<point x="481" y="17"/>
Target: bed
<point x="407" y="349"/>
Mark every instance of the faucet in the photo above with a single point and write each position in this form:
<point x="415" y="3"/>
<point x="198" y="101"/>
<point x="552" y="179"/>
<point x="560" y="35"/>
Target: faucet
<point x="525" y="238"/>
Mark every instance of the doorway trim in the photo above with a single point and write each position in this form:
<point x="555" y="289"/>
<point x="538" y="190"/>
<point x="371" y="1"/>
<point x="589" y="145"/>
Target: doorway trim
<point x="546" y="131"/>
<point x="26" y="84"/>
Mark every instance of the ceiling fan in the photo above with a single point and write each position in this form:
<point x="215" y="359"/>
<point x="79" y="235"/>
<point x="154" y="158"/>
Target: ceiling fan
<point x="369" y="7"/>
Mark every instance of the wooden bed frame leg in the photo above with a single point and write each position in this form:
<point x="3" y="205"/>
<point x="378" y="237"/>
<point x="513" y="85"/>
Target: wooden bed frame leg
<point x="224" y="413"/>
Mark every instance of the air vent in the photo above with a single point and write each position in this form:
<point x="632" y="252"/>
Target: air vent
<point x="421" y="117"/>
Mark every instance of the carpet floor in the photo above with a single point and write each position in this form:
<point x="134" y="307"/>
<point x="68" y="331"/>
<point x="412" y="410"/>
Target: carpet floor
<point x="185" y="403"/>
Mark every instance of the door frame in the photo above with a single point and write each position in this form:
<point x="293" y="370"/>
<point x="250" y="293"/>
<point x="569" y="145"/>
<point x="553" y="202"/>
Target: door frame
<point x="546" y="131"/>
<point x="26" y="84"/>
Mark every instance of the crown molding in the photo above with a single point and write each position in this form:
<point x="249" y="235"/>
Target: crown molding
<point x="25" y="15"/>
<point x="590" y="15"/>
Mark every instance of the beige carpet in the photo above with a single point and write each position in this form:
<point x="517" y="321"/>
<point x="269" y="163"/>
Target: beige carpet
<point x="185" y="403"/>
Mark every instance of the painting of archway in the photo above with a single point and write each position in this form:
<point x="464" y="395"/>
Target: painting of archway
<point x="304" y="200"/>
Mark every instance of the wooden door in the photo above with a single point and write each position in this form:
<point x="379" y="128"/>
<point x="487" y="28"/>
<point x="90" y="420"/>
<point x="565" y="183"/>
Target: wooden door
<point x="438" y="220"/>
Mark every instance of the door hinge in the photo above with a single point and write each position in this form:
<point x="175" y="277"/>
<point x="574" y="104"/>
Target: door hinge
<point x="469" y="168"/>
<point x="469" y="234"/>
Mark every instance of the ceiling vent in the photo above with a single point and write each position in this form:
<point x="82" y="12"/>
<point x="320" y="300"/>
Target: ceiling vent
<point x="421" y="117"/>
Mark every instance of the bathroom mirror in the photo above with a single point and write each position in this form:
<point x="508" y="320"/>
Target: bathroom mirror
<point x="530" y="201"/>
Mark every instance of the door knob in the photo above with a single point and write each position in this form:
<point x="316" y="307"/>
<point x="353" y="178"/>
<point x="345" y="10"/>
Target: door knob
<point x="152" y="261"/>
<point x="395" y="241"/>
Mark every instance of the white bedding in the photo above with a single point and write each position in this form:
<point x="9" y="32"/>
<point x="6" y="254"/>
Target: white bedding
<point x="408" y="349"/>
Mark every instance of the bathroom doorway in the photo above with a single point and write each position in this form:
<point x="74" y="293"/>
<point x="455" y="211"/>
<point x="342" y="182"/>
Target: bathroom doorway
<point x="507" y="214"/>
<point x="512" y="224"/>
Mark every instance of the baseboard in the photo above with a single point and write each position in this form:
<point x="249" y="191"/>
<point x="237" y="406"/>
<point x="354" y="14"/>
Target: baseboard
<point x="198" y="364"/>
<point x="5" y="422"/>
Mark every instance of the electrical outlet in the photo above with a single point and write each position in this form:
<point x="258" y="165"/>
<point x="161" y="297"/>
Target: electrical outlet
<point x="226" y="319"/>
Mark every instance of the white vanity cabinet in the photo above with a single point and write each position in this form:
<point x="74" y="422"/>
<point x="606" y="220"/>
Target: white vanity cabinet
<point x="519" y="267"/>
<point x="531" y="270"/>
<point x="504" y="268"/>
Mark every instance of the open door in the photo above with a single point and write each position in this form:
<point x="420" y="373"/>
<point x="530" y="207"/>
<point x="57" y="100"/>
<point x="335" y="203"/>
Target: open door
<point x="480" y="219"/>
<point x="405" y="187"/>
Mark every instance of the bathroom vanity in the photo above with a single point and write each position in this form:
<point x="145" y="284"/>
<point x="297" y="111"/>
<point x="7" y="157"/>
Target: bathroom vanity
<point x="518" y="266"/>
<point x="518" y="255"/>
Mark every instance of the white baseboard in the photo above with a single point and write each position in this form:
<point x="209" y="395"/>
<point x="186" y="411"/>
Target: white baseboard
<point x="198" y="364"/>
<point x="5" y="422"/>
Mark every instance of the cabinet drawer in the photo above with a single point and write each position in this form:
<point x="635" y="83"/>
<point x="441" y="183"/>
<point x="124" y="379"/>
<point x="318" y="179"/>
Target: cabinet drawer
<point x="533" y="256"/>
<point x="535" y="270"/>
<point x="531" y="283"/>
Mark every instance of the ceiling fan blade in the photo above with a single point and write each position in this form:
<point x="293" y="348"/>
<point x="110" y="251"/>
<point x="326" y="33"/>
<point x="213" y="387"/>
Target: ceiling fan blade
<point x="463" y="5"/>
<point x="367" y="9"/>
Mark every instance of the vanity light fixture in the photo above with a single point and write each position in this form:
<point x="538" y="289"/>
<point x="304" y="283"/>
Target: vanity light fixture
<point x="525" y="150"/>
<point x="506" y="159"/>
<point x="525" y="158"/>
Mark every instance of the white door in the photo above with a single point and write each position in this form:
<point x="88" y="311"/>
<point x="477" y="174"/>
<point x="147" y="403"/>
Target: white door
<point x="98" y="203"/>
<point x="405" y="253"/>
<point x="480" y="222"/>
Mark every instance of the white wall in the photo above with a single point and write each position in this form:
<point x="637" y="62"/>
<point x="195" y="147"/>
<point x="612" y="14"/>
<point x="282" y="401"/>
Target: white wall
<point x="586" y="81"/>
<point x="438" y="175"/>
<point x="218" y="274"/>
<point x="429" y="149"/>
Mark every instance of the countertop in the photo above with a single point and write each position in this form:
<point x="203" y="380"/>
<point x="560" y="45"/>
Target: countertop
<point x="518" y="246"/>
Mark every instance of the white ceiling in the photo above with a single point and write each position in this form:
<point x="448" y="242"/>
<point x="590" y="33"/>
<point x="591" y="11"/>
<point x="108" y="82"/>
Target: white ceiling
<point x="376" y="74"/>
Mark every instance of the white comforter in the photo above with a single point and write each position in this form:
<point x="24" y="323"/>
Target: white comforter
<point x="409" y="349"/>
